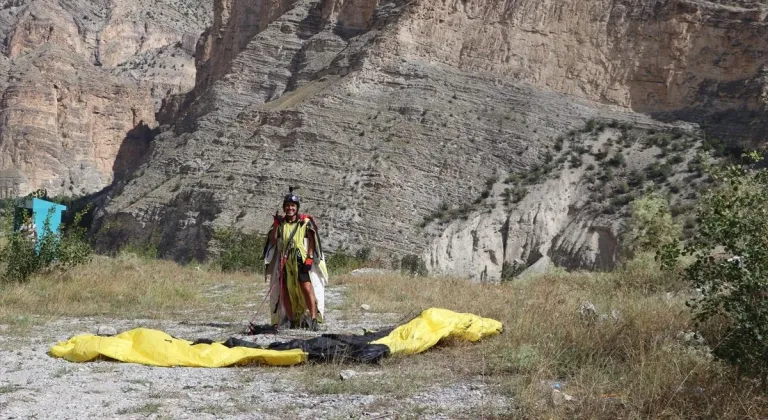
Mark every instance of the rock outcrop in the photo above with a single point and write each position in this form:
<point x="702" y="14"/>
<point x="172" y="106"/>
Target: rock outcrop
<point x="81" y="82"/>
<point x="385" y="111"/>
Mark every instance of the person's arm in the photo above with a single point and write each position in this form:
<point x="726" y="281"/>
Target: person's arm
<point x="273" y="232"/>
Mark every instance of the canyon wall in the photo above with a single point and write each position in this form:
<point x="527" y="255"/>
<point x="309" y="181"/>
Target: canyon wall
<point x="81" y="82"/>
<point x="384" y="112"/>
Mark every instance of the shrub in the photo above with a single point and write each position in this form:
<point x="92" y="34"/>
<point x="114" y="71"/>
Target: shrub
<point x="730" y="266"/>
<point x="635" y="179"/>
<point x="146" y="250"/>
<point x="617" y="160"/>
<point x="21" y="257"/>
<point x="650" y="226"/>
<point x="340" y="262"/>
<point x="575" y="160"/>
<point x="559" y="144"/>
<point x="510" y="270"/>
<point x="239" y="250"/>
<point x="74" y="248"/>
<point x="413" y="265"/>
<point x="675" y="159"/>
<point x="659" y="171"/>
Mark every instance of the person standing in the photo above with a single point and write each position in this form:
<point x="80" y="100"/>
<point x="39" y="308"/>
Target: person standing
<point x="296" y="263"/>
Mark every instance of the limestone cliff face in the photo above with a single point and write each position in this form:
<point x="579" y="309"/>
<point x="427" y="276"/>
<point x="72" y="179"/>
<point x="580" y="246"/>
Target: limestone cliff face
<point x="646" y="55"/>
<point x="64" y="129"/>
<point x="383" y="111"/>
<point x="81" y="81"/>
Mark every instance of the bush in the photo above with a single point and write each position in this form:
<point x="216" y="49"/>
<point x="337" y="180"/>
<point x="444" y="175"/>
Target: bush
<point x="22" y="257"/>
<point x="659" y="171"/>
<point x="509" y="271"/>
<point x="617" y="160"/>
<point x="590" y="126"/>
<point x="147" y="250"/>
<point x="635" y="179"/>
<point x="239" y="250"/>
<point x="341" y="263"/>
<point x="650" y="226"/>
<point x="730" y="266"/>
<point x="413" y="265"/>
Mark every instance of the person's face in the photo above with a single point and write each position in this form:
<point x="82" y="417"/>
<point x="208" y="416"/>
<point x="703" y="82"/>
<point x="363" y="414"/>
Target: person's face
<point x="290" y="209"/>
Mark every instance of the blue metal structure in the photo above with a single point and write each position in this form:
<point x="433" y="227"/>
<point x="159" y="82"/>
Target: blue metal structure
<point x="42" y="210"/>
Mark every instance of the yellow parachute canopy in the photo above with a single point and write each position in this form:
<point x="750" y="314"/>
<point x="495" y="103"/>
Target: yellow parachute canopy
<point x="156" y="348"/>
<point x="433" y="325"/>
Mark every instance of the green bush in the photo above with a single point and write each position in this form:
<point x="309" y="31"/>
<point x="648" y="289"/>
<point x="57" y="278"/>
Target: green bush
<point x="590" y="126"/>
<point x="509" y="271"/>
<point x="21" y="257"/>
<point x="73" y="247"/>
<point x="650" y="226"/>
<point x="730" y="266"/>
<point x="146" y="250"/>
<point x="240" y="251"/>
<point x="413" y="265"/>
<point x="617" y="160"/>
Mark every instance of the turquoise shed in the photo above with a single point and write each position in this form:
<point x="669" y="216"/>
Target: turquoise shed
<point x="41" y="209"/>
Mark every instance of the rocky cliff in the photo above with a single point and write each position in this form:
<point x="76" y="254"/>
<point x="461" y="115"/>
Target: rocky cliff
<point x="385" y="112"/>
<point x="81" y="81"/>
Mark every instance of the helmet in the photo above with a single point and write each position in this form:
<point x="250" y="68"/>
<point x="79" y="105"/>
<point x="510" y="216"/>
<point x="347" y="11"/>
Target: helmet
<point x="291" y="197"/>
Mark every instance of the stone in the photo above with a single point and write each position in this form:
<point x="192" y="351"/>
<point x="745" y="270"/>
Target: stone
<point x="106" y="330"/>
<point x="615" y="315"/>
<point x="587" y="310"/>
<point x="365" y="307"/>
<point x="348" y="374"/>
<point x="691" y="337"/>
<point x="558" y="398"/>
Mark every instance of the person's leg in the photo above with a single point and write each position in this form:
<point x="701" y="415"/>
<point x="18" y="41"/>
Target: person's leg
<point x="309" y="297"/>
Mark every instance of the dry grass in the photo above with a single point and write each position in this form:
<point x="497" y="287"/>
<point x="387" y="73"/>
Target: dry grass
<point x="633" y="367"/>
<point x="126" y="286"/>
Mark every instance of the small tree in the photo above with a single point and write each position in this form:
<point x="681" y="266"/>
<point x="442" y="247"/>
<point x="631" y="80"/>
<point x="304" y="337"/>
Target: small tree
<point x="22" y="256"/>
<point x="650" y="225"/>
<point x="731" y="266"/>
<point x="413" y="265"/>
<point x="240" y="250"/>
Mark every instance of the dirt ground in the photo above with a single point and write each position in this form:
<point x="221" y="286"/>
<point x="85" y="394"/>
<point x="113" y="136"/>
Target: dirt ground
<point x="36" y="385"/>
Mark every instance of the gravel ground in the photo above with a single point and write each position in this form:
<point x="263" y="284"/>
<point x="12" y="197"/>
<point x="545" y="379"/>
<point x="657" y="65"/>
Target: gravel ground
<point x="35" y="385"/>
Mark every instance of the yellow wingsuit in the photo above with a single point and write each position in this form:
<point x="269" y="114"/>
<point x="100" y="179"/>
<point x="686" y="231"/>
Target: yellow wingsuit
<point x="156" y="348"/>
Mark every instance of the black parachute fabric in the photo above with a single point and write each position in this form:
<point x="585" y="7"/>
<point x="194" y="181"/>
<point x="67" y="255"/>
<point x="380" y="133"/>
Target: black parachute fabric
<point x="330" y="347"/>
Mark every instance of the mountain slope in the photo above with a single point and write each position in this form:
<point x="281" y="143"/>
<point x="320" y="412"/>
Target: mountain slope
<point x="384" y="112"/>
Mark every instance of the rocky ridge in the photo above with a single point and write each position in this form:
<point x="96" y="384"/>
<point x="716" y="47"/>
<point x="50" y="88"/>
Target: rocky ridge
<point x="383" y="112"/>
<point x="81" y="82"/>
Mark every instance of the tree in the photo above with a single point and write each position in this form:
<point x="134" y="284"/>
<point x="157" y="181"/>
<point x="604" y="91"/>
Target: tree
<point x="21" y="256"/>
<point x="650" y="225"/>
<point x="730" y="267"/>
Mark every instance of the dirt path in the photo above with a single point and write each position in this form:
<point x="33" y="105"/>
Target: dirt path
<point x="35" y="385"/>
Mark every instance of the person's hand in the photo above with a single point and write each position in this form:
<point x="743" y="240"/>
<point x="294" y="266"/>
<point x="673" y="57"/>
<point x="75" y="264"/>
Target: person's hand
<point x="308" y="265"/>
<point x="276" y="221"/>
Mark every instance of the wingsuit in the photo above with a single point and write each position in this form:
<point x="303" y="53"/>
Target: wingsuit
<point x="289" y="263"/>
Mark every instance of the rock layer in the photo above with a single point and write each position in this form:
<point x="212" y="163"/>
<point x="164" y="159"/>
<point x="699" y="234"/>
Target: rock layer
<point x="81" y="81"/>
<point x="384" y="111"/>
